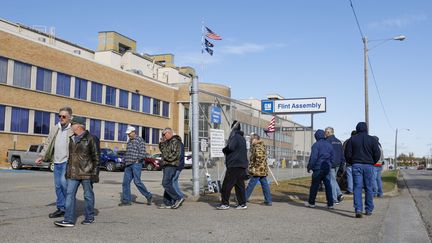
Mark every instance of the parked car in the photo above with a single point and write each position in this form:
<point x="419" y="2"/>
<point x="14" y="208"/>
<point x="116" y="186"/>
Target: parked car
<point x="420" y="167"/>
<point x="188" y="160"/>
<point x="153" y="162"/>
<point x="20" y="158"/>
<point x="110" y="160"/>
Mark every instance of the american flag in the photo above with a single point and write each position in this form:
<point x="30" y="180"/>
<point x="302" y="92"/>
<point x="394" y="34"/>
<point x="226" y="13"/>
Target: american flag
<point x="271" y="125"/>
<point x="212" y="35"/>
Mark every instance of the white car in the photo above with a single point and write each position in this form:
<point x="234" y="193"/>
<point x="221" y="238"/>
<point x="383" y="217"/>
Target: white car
<point x="188" y="160"/>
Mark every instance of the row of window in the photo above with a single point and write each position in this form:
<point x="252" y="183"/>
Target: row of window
<point x="20" y="120"/>
<point x="22" y="78"/>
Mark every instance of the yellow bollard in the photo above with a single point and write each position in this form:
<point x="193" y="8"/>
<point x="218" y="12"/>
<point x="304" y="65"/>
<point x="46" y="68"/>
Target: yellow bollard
<point x="283" y="163"/>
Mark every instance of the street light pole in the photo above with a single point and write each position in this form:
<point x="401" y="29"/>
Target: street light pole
<point x="366" y="58"/>
<point x="395" y="156"/>
<point x="366" y="91"/>
<point x="395" y="159"/>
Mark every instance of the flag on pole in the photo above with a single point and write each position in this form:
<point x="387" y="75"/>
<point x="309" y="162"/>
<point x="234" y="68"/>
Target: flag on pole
<point x="209" y="51"/>
<point x="212" y="35"/>
<point x="208" y="43"/>
<point x="271" y="125"/>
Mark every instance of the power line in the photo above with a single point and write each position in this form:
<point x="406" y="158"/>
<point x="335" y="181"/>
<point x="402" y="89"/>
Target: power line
<point x="379" y="95"/>
<point x="355" y="16"/>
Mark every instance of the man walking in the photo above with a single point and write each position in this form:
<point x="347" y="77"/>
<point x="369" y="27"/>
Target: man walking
<point x="377" y="181"/>
<point x="258" y="169"/>
<point x="81" y="169"/>
<point x="236" y="163"/>
<point x="320" y="163"/>
<point x="134" y="156"/>
<point x="56" y="150"/>
<point x="349" y="177"/>
<point x="362" y="151"/>
<point x="338" y="160"/>
<point x="171" y="149"/>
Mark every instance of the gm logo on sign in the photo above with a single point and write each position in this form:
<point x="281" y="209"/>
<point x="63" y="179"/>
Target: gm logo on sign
<point x="267" y="106"/>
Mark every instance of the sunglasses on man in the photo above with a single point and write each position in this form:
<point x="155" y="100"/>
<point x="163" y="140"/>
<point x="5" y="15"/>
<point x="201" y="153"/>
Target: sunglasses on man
<point x="62" y="116"/>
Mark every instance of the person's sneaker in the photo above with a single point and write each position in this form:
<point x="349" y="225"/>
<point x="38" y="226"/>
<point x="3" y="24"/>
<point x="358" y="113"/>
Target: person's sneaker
<point x="358" y="215"/>
<point x="310" y="205"/>
<point x="368" y="213"/>
<point x="348" y="193"/>
<point x="241" y="207"/>
<point x="56" y="214"/>
<point x="268" y="203"/>
<point x="163" y="206"/>
<point x="340" y="198"/>
<point x="87" y="221"/>
<point x="150" y="200"/>
<point x="125" y="204"/>
<point x="336" y="202"/>
<point x="330" y="207"/>
<point x="223" y="207"/>
<point x="64" y="223"/>
<point x="178" y="203"/>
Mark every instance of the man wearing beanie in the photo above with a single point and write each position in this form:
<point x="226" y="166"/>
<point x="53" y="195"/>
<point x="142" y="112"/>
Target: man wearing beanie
<point x="236" y="163"/>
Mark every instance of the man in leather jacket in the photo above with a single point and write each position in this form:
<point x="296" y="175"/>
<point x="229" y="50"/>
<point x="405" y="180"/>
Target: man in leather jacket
<point x="82" y="169"/>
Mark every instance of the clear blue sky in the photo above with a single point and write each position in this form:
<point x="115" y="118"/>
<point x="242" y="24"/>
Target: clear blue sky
<point x="294" y="48"/>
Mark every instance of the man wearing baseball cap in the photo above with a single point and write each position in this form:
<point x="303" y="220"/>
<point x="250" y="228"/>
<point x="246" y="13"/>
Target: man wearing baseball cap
<point x="134" y="157"/>
<point x="81" y="169"/>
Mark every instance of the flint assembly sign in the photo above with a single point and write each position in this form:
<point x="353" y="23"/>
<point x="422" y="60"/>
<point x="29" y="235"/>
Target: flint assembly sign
<point x="296" y="106"/>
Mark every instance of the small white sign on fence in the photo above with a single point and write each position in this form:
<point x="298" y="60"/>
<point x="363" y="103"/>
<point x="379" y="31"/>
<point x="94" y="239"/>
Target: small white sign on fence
<point x="217" y="143"/>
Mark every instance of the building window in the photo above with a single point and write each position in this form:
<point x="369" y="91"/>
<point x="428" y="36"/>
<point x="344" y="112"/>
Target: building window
<point x="2" y="117"/>
<point x="19" y="120"/>
<point x="96" y="92"/>
<point x="43" y="80"/>
<point x="80" y="89"/>
<point x="63" y="84"/>
<point x="156" y="107"/>
<point x="165" y="109"/>
<point x="3" y="69"/>
<point x="122" y="136"/>
<point x="135" y="102"/>
<point x="41" y="122"/>
<point x="22" y="74"/>
<point x="110" y="95"/>
<point x="155" y="135"/>
<point x="146" y="104"/>
<point x="124" y="99"/>
<point x="146" y="134"/>
<point x="109" y="130"/>
<point x="95" y="128"/>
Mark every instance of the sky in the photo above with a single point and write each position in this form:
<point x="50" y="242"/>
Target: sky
<point x="297" y="49"/>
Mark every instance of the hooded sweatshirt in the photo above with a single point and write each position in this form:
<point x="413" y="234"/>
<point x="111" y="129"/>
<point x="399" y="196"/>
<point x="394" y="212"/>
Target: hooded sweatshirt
<point x="322" y="153"/>
<point x="362" y="148"/>
<point x="235" y="150"/>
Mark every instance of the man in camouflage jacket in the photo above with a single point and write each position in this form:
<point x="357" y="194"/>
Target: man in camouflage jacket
<point x="258" y="169"/>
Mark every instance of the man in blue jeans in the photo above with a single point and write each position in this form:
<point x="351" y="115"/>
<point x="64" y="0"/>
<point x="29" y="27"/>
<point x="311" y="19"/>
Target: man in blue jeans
<point x="362" y="151"/>
<point x="338" y="160"/>
<point x="56" y="150"/>
<point x="349" y="177"/>
<point x="134" y="156"/>
<point x="82" y="169"/>
<point x="171" y="149"/>
<point x="377" y="182"/>
<point x="258" y="169"/>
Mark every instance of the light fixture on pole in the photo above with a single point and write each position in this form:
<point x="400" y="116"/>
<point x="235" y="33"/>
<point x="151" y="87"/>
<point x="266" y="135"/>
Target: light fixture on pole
<point x="366" y="50"/>
<point x="395" y="157"/>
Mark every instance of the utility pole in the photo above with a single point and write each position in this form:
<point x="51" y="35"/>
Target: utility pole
<point x="195" y="140"/>
<point x="366" y="92"/>
<point x="395" y="156"/>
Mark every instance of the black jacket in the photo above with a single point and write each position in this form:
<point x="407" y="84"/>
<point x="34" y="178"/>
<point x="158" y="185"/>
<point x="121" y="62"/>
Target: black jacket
<point x="362" y="148"/>
<point x="338" y="158"/>
<point x="235" y="151"/>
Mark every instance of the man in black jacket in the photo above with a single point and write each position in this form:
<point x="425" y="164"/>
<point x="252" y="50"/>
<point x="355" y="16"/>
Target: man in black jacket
<point x="236" y="163"/>
<point x="338" y="160"/>
<point x="362" y="151"/>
